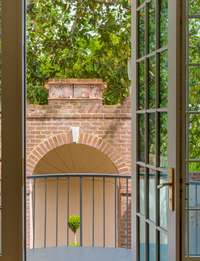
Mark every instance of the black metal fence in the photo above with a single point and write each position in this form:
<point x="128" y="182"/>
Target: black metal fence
<point x="103" y="202"/>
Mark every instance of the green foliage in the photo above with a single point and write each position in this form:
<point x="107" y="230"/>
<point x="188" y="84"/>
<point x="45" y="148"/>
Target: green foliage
<point x="74" y="244"/>
<point x="78" y="39"/>
<point x="74" y="223"/>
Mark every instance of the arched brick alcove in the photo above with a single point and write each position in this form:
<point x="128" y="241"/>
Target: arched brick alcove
<point x="65" y="138"/>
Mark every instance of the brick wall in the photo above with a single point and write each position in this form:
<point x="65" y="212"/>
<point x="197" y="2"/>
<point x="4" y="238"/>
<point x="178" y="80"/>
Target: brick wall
<point x="106" y="127"/>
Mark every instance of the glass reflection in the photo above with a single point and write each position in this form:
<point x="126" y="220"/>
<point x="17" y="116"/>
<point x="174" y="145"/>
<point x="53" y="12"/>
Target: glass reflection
<point x="193" y="132"/>
<point x="193" y="186"/>
<point x="163" y="247"/>
<point x="152" y="26"/>
<point x="152" y="139"/>
<point x="141" y="137"/>
<point x="140" y="2"/>
<point x="194" y="192"/>
<point x="194" y="89"/>
<point x="163" y="201"/>
<point x="163" y="22"/>
<point x="141" y="32"/>
<point x="152" y="82"/>
<point x="152" y="195"/>
<point x="142" y="240"/>
<point x="193" y="167"/>
<point x="194" y="232"/>
<point x="152" y="243"/>
<point x="194" y="7"/>
<point x="141" y="85"/>
<point x="193" y="209"/>
<point x="163" y="79"/>
<point x="142" y="190"/>
<point x="194" y="41"/>
<point x="163" y="139"/>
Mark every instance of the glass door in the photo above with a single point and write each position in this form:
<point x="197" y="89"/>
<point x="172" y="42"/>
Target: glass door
<point x="155" y="130"/>
<point x="191" y="154"/>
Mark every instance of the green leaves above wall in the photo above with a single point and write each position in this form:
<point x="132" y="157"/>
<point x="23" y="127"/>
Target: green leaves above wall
<point x="78" y="39"/>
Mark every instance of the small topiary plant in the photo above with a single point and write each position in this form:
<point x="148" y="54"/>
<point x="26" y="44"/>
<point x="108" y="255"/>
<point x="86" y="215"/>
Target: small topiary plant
<point x="74" y="225"/>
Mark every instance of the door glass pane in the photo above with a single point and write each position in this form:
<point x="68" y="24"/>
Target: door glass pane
<point x="141" y="85"/>
<point x="194" y="232"/>
<point x="141" y="137"/>
<point x="163" y="199"/>
<point x="140" y="2"/>
<point x="194" y="193"/>
<point x="163" y="79"/>
<point x="152" y="139"/>
<point x="142" y="240"/>
<point x="152" y="195"/>
<point x="152" y="83"/>
<point x="163" y="22"/>
<point x="142" y="190"/>
<point x="193" y="132"/>
<point x="194" y="40"/>
<point x="152" y="243"/>
<point x="141" y="32"/>
<point x="194" y="89"/>
<point x="193" y="209"/>
<point x="163" y="140"/>
<point x="163" y="250"/>
<point x="152" y="26"/>
<point x="194" y="7"/>
<point x="193" y="168"/>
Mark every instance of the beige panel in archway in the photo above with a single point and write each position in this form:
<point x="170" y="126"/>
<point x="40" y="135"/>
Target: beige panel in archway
<point x="75" y="158"/>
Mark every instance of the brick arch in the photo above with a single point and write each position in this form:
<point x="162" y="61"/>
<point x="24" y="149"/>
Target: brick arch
<point x="65" y="138"/>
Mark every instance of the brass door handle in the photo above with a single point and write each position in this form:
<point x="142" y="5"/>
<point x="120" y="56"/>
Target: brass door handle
<point x="164" y="184"/>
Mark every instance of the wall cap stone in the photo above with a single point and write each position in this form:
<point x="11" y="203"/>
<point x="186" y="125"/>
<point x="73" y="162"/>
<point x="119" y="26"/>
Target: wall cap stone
<point x="78" y="89"/>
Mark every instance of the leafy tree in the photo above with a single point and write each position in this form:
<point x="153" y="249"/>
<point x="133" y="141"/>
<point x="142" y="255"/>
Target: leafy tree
<point x="74" y="225"/>
<point x="78" y="39"/>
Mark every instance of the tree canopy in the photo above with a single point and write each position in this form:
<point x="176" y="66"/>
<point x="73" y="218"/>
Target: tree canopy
<point x="78" y="39"/>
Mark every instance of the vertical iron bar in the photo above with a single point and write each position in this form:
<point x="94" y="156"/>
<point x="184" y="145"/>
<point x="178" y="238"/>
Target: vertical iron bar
<point x="45" y="214"/>
<point x="118" y="210"/>
<point x="81" y="212"/>
<point x="93" y="212"/>
<point x="120" y="213"/>
<point x="57" y="211"/>
<point x="34" y="181"/>
<point x="68" y="193"/>
<point x="115" y="212"/>
<point x="104" y="216"/>
<point x="126" y="212"/>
